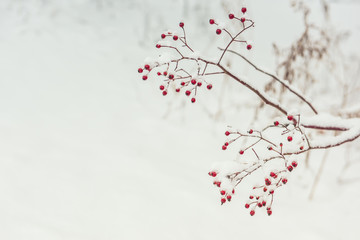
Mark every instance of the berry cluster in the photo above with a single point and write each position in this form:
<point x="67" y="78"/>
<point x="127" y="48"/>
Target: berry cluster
<point x="189" y="77"/>
<point x="171" y="71"/>
<point x="242" y="19"/>
<point x="225" y="194"/>
<point x="263" y="151"/>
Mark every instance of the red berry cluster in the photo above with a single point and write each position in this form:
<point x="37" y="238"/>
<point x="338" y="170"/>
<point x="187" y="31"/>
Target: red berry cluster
<point x="225" y="194"/>
<point x="263" y="195"/>
<point x="242" y="19"/>
<point x="186" y="79"/>
<point x="170" y="72"/>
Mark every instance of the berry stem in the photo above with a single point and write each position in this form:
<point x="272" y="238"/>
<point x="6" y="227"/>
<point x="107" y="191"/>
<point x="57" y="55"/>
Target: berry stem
<point x="232" y="40"/>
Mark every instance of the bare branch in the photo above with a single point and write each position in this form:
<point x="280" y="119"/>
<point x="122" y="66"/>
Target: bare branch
<point x="268" y="100"/>
<point x="282" y="82"/>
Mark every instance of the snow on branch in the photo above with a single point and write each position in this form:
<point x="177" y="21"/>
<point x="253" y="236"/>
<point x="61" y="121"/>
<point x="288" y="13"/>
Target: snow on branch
<point x="350" y="130"/>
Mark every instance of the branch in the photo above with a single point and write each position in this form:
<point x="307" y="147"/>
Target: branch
<point x="234" y="38"/>
<point x="284" y="83"/>
<point x="350" y="129"/>
<point x="267" y="99"/>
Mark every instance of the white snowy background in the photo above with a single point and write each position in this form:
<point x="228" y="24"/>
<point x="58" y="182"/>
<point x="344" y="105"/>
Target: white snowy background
<point x="90" y="151"/>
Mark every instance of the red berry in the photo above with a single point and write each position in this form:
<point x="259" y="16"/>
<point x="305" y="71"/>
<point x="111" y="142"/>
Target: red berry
<point x="209" y="86"/>
<point x="181" y="24"/>
<point x="175" y="37"/>
<point x="281" y="144"/>
<point x="301" y="148"/>
<point x="228" y="197"/>
<point x="243" y="10"/>
<point x="226" y="144"/>
<point x="263" y="203"/>
<point x="158" y="46"/>
<point x="249" y="47"/>
<point x="241" y="152"/>
<point x="223" y="200"/>
<point x="251" y="197"/>
<point x="294" y="164"/>
<point x="231" y="16"/>
<point x="247" y="205"/>
<point x="171" y="76"/>
<point x="276" y="123"/>
<point x="187" y="93"/>
<point x="290" y="117"/>
<point x="242" y="19"/>
<point x="269" y="212"/>
<point x="227" y="133"/>
<point x="211" y="21"/>
<point x="224" y="147"/>
<point x="289" y="138"/>
<point x="259" y="204"/>
<point x="218" y="31"/>
<point x="270" y="148"/>
<point x="144" y="77"/>
<point x="271" y="191"/>
<point x="251" y="131"/>
<point x="233" y="191"/>
<point x="257" y="198"/>
<point x="252" y="212"/>
<point x="177" y="90"/>
<point x="193" y="100"/>
<point x="290" y="168"/>
<point x="199" y="84"/>
<point x="218" y="184"/>
<point x="165" y="73"/>
<point x="193" y="81"/>
<point x="264" y="189"/>
<point x="213" y="174"/>
<point x="222" y="192"/>
<point x="164" y="93"/>
<point x="163" y="36"/>
<point x="162" y="87"/>
<point x="267" y="182"/>
<point x="147" y="67"/>
<point x="140" y="70"/>
<point x="284" y="181"/>
<point x="158" y="73"/>
<point x="272" y="174"/>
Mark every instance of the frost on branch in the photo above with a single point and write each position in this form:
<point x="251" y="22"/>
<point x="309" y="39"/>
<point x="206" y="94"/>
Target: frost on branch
<point x="273" y="150"/>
